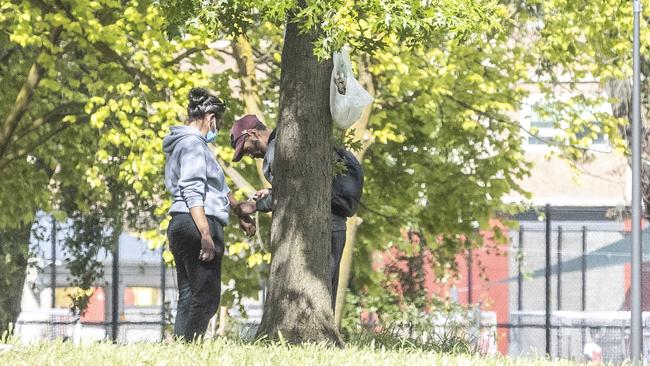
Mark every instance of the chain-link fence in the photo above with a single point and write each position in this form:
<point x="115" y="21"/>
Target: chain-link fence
<point x="60" y="324"/>
<point x="569" y="285"/>
<point x="564" y="284"/>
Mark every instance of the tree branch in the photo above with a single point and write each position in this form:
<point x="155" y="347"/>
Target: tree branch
<point x="389" y="218"/>
<point x="56" y="114"/>
<point x="264" y="57"/>
<point x="408" y="99"/>
<point x="4" y="58"/>
<point x="24" y="98"/>
<point x="519" y="126"/>
<point x="183" y="55"/>
<point x="237" y="178"/>
<point x="26" y="150"/>
<point x="110" y="54"/>
<point x="103" y="48"/>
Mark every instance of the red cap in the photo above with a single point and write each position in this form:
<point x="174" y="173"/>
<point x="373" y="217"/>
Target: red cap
<point x="238" y="134"/>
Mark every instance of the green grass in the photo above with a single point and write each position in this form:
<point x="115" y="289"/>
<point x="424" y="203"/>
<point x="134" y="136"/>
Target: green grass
<point x="226" y="352"/>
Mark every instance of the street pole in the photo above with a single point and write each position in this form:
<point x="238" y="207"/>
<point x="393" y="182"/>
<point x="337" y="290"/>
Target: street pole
<point x="53" y="265"/>
<point x="163" y="287"/>
<point x="470" y="283"/>
<point x="520" y="276"/>
<point x="115" y="290"/>
<point x="559" y="268"/>
<point x="636" y="346"/>
<point x="583" y="292"/>
<point x="548" y="280"/>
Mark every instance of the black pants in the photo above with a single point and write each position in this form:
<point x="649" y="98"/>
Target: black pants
<point x="199" y="283"/>
<point x="338" y="243"/>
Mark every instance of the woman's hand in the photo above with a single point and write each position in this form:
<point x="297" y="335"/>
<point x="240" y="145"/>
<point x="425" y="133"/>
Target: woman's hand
<point x="208" y="249"/>
<point x="245" y="208"/>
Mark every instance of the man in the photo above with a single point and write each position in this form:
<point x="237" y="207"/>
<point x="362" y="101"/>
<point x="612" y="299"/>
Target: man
<point x="249" y="136"/>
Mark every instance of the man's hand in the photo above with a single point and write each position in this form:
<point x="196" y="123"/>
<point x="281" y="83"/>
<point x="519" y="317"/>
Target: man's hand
<point x="245" y="208"/>
<point x="208" y="250"/>
<point x="247" y="224"/>
<point x="261" y="193"/>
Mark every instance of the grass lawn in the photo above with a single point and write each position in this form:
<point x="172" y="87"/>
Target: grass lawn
<point x="225" y="352"/>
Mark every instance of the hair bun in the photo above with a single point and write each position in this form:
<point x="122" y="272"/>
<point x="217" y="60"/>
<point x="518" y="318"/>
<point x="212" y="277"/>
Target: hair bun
<point x="198" y="96"/>
<point x="202" y="101"/>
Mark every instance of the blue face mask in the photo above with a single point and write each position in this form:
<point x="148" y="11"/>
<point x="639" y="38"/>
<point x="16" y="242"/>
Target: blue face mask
<point x="211" y="136"/>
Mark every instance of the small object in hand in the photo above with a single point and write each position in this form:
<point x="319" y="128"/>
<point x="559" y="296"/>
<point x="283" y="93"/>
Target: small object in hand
<point x="261" y="194"/>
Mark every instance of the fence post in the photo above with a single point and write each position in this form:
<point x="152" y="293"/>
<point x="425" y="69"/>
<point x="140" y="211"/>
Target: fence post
<point x="53" y="264"/>
<point x="559" y="268"/>
<point x="115" y="289"/>
<point x="559" y="289"/>
<point x="584" y="280"/>
<point x="469" y="276"/>
<point x="163" y="288"/>
<point x="520" y="277"/>
<point x="548" y="279"/>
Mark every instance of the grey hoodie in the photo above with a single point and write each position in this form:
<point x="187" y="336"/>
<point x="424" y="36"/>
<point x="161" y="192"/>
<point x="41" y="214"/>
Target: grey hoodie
<point x="192" y="174"/>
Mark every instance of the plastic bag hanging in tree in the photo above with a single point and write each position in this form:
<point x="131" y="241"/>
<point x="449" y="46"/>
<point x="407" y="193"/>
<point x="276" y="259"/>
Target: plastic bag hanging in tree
<point x="347" y="96"/>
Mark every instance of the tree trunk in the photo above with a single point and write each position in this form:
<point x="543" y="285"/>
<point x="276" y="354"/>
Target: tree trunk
<point x="243" y="54"/>
<point x="14" y="251"/>
<point x="345" y="268"/>
<point x="298" y="303"/>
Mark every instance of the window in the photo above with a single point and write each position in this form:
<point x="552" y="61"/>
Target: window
<point x="545" y="130"/>
<point x="544" y="127"/>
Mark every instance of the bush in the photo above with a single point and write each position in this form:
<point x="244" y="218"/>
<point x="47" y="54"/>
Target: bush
<point x="383" y="321"/>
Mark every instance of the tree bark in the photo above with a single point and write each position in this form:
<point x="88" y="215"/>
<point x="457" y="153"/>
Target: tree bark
<point x="14" y="251"/>
<point x="20" y="106"/>
<point x="298" y="304"/>
<point x="24" y="97"/>
<point x="243" y="54"/>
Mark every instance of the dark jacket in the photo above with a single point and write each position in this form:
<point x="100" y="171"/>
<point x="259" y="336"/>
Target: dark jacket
<point x="266" y="204"/>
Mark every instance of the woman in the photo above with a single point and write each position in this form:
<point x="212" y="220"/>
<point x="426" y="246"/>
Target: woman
<point x="200" y="204"/>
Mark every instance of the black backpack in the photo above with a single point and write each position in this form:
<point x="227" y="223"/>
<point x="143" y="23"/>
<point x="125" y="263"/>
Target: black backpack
<point x="347" y="187"/>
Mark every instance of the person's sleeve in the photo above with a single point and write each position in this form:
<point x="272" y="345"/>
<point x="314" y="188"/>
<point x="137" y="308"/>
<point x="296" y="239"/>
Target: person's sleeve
<point x="223" y="174"/>
<point x="265" y="204"/>
<point x="193" y="175"/>
<point x="268" y="162"/>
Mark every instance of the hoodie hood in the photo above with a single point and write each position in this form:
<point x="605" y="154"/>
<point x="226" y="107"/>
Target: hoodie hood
<point x="178" y="133"/>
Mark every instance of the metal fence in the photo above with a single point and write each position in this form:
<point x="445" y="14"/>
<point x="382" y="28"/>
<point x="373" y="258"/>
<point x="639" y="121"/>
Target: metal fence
<point x="130" y="266"/>
<point x="567" y="290"/>
<point x="568" y="285"/>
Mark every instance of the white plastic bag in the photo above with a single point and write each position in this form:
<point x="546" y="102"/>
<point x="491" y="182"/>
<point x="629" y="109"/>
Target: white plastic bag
<point x="347" y="97"/>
